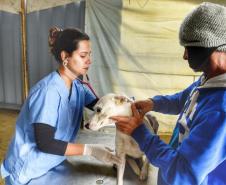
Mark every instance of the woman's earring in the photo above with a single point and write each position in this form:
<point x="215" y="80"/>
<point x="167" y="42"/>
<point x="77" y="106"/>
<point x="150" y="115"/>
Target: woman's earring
<point x="65" y="63"/>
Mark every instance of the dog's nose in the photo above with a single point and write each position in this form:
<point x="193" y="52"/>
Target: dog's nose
<point x="87" y="125"/>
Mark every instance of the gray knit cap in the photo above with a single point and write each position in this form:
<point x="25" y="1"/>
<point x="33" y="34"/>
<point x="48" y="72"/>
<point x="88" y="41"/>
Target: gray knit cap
<point x="205" y="26"/>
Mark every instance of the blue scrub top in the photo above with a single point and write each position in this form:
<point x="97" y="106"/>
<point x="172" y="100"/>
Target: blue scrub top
<point x="49" y="102"/>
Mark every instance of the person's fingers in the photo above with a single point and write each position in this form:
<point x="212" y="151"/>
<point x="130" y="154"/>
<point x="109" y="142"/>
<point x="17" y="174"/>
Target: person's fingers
<point x="122" y="125"/>
<point x="139" y="104"/>
<point x="120" y="118"/>
<point x="121" y="128"/>
<point x="114" y="118"/>
<point x="144" y="105"/>
<point x="135" y="111"/>
<point x="125" y="127"/>
<point x="125" y="130"/>
<point x="142" y="113"/>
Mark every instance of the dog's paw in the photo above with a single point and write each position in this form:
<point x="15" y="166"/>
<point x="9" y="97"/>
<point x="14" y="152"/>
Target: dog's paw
<point x="143" y="175"/>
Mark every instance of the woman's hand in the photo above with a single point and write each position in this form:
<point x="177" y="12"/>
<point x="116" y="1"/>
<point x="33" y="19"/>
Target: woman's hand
<point x="128" y="124"/>
<point x="101" y="153"/>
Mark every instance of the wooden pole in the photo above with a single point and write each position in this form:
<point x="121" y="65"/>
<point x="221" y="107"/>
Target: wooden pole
<point x="24" y="50"/>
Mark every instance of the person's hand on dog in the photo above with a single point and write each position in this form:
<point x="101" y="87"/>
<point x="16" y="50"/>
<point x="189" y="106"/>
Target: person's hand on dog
<point x="101" y="153"/>
<point x="144" y="106"/>
<point x="127" y="124"/>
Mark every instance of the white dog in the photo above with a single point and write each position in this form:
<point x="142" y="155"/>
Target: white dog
<point x="117" y="105"/>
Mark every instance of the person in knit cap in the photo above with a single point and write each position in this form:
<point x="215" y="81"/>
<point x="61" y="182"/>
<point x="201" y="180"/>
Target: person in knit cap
<point x="196" y="154"/>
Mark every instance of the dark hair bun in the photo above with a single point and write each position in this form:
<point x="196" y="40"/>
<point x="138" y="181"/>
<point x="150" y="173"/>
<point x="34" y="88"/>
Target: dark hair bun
<point x="65" y="40"/>
<point x="54" y="33"/>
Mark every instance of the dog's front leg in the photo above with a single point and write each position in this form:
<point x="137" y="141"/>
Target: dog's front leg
<point x="121" y="169"/>
<point x="144" y="169"/>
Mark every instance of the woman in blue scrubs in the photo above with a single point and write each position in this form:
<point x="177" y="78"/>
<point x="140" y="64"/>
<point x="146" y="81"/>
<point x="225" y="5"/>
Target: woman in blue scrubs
<point x="51" y="115"/>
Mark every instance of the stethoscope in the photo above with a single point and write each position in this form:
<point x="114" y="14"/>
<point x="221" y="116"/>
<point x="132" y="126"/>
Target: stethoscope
<point x="88" y="85"/>
<point x="81" y="81"/>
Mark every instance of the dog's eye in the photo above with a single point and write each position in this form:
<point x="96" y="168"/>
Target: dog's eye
<point x="98" y="109"/>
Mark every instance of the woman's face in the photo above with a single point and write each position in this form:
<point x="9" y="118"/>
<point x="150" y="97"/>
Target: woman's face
<point x="79" y="62"/>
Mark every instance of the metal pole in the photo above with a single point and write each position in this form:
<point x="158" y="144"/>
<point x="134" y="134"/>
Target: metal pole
<point x="24" y="50"/>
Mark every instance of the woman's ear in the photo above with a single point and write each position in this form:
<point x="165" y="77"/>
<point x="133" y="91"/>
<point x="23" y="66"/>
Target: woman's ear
<point x="64" y="55"/>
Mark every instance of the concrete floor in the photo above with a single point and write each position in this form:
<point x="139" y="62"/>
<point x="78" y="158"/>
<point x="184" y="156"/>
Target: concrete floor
<point x="83" y="166"/>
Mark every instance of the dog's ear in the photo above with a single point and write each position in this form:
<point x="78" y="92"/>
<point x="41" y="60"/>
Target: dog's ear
<point x="119" y="99"/>
<point x="127" y="98"/>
